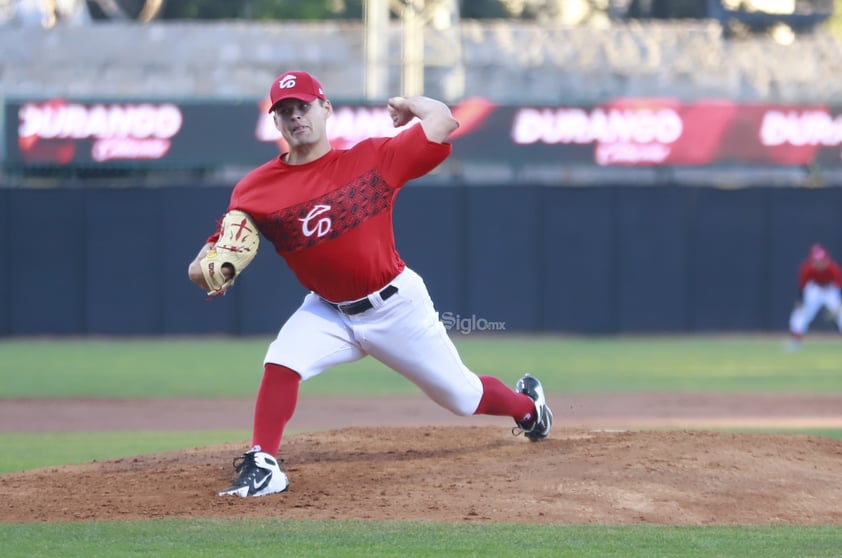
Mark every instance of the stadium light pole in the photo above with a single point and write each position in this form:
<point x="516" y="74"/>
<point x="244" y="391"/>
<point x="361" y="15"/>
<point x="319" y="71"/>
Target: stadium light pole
<point x="376" y="49"/>
<point x="430" y="37"/>
<point x="412" y="48"/>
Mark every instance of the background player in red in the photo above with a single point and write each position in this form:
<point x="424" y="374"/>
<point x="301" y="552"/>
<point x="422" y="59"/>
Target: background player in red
<point x="819" y="285"/>
<point x="328" y="213"/>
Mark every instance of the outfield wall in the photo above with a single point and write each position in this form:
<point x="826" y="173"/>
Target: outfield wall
<point x="593" y="260"/>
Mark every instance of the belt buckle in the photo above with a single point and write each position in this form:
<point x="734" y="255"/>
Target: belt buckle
<point x="351" y="308"/>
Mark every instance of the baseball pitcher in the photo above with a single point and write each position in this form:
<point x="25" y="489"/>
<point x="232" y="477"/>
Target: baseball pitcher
<point x="328" y="213"/>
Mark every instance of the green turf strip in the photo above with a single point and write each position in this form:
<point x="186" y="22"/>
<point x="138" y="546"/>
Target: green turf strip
<point x="23" y="451"/>
<point x="232" y="367"/>
<point x="368" y="539"/>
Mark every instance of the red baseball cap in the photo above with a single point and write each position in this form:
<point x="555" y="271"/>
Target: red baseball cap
<point x="295" y="85"/>
<point x="817" y="252"/>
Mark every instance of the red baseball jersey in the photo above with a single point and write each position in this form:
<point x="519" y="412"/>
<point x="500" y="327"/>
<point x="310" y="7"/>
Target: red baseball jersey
<point x="831" y="274"/>
<point x="331" y="219"/>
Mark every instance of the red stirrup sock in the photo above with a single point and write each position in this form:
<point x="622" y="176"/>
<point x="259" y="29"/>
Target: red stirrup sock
<point x="501" y="400"/>
<point x="276" y="400"/>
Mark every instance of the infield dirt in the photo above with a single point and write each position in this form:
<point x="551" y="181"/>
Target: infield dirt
<point x="611" y="459"/>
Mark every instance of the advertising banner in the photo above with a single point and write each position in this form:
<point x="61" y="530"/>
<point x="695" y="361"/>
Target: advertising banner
<point x="133" y="134"/>
<point x="622" y="132"/>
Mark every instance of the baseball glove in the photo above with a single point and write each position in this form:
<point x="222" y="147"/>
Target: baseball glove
<point x="235" y="249"/>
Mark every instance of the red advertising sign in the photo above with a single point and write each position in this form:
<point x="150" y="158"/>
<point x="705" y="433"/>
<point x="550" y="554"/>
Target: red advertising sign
<point x="665" y="132"/>
<point x="119" y="134"/>
<point x="53" y="130"/>
<point x="622" y="132"/>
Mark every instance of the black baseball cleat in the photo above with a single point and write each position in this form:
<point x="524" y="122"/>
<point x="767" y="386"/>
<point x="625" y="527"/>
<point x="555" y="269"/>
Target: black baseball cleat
<point x="259" y="474"/>
<point x="539" y="427"/>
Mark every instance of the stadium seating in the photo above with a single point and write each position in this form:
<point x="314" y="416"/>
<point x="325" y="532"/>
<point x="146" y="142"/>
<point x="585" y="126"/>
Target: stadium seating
<point x="508" y="61"/>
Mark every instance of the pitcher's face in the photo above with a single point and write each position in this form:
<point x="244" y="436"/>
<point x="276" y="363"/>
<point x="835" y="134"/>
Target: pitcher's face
<point x="302" y="123"/>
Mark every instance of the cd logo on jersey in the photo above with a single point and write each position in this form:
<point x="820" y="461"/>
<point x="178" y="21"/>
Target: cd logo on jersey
<point x="322" y="226"/>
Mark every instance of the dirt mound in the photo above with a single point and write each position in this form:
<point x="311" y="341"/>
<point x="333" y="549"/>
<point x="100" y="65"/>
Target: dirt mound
<point x="466" y="474"/>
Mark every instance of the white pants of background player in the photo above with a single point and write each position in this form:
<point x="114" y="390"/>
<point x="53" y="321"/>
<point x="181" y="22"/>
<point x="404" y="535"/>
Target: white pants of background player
<point x="815" y="297"/>
<point x="403" y="332"/>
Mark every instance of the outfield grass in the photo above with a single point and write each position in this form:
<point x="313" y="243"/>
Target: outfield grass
<point x="22" y="451"/>
<point x="229" y="367"/>
<point x="232" y="367"/>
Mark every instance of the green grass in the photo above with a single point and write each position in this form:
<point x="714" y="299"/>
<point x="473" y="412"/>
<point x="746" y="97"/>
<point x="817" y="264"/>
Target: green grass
<point x="358" y="539"/>
<point x="824" y="432"/>
<point x="232" y="367"/>
<point x="21" y="451"/>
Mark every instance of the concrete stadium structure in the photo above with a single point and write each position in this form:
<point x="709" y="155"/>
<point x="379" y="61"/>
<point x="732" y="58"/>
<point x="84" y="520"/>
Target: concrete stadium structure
<point x="504" y="61"/>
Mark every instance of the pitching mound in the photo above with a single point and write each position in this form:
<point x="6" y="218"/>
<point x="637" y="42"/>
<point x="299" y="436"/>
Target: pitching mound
<point x="466" y="474"/>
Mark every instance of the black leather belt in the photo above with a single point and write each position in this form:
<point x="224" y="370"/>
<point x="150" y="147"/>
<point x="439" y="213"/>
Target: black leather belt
<point x="363" y="304"/>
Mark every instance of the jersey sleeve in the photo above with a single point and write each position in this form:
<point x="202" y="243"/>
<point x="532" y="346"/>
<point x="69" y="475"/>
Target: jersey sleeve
<point x="837" y="274"/>
<point x="410" y="155"/>
<point x="804" y="274"/>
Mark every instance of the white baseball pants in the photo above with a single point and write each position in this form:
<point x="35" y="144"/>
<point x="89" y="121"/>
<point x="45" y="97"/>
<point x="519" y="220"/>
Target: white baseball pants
<point x="403" y="332"/>
<point x="815" y="297"/>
